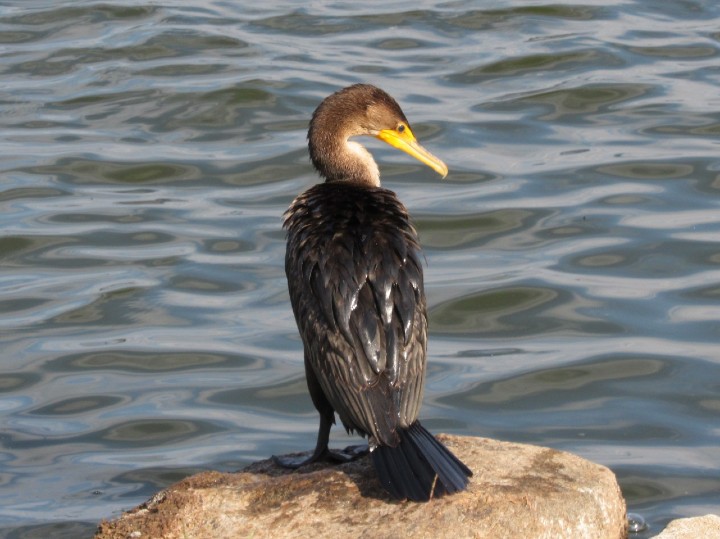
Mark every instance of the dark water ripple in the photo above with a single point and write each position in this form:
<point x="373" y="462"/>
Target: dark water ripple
<point x="148" y="153"/>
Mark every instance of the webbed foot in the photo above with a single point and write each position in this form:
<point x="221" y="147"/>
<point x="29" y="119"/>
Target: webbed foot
<point x="350" y="453"/>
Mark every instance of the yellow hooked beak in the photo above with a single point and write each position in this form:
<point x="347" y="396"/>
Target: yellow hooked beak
<point x="405" y="140"/>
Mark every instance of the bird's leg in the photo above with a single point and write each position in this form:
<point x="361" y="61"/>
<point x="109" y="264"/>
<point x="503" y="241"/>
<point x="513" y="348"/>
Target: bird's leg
<point x="321" y="447"/>
<point x="322" y="452"/>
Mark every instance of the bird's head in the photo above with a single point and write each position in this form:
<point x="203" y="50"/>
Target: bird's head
<point x="359" y="110"/>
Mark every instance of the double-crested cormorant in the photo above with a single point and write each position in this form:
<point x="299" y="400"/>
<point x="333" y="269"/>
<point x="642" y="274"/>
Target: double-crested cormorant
<point x="356" y="286"/>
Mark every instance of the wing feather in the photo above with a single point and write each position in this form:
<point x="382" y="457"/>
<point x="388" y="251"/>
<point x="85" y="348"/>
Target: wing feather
<point x="356" y="287"/>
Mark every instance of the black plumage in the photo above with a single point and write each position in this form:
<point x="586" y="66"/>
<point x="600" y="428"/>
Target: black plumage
<point x="354" y="270"/>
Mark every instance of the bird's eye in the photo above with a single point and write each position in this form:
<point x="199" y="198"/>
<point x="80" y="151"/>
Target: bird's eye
<point x="401" y="128"/>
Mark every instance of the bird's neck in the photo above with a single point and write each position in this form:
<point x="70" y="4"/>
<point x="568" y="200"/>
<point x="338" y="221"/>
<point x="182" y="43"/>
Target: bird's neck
<point x="342" y="159"/>
<point x="363" y="160"/>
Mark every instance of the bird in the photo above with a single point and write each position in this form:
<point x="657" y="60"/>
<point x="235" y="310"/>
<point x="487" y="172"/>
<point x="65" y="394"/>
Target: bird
<point x="355" y="278"/>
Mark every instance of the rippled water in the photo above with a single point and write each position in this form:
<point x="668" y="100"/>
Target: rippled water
<point x="148" y="151"/>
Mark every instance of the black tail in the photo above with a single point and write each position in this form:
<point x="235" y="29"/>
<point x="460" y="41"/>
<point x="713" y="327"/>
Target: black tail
<point x="419" y="467"/>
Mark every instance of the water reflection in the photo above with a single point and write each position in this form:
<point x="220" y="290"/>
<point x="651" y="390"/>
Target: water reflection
<point x="577" y="377"/>
<point x="144" y="361"/>
<point x="140" y="434"/>
<point x="471" y="231"/>
<point x="586" y="102"/>
<point x="78" y="405"/>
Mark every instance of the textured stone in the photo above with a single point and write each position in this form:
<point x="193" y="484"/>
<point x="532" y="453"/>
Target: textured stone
<point x="707" y="527"/>
<point x="517" y="491"/>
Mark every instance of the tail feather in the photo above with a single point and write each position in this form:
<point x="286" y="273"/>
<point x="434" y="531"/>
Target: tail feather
<point x="419" y="467"/>
<point x="452" y="473"/>
<point x="413" y="485"/>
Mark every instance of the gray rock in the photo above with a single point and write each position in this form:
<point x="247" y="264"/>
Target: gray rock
<point x="517" y="491"/>
<point x="707" y="527"/>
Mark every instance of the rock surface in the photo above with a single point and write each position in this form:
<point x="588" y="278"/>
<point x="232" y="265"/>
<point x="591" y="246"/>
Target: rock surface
<point x="517" y="491"/>
<point x="707" y="527"/>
